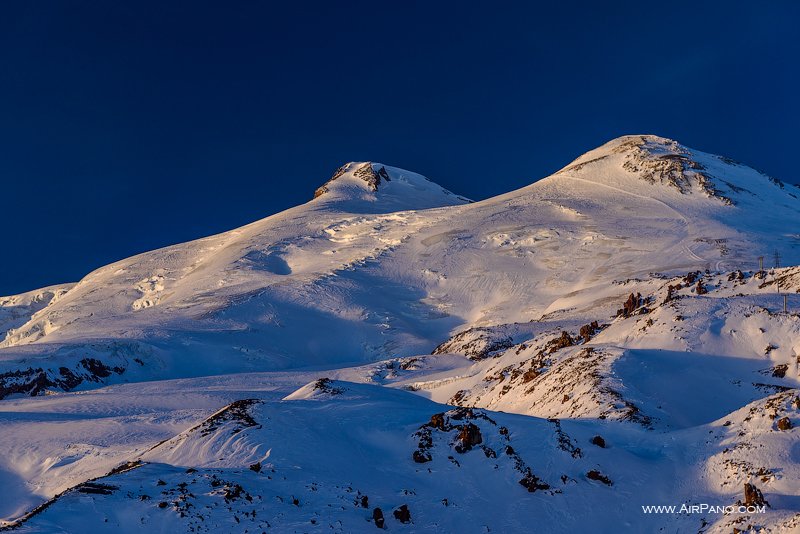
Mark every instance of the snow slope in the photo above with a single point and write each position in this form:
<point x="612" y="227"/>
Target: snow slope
<point x="619" y="297"/>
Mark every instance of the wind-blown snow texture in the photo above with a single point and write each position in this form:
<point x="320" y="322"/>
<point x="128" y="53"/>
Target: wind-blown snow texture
<point x="551" y="360"/>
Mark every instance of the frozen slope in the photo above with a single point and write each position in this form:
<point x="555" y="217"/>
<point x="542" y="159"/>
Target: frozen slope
<point x="362" y="273"/>
<point x="325" y="455"/>
<point x="617" y="298"/>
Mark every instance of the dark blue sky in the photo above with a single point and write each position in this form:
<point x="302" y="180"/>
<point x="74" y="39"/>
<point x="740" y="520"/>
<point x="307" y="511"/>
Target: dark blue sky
<point x="126" y="126"/>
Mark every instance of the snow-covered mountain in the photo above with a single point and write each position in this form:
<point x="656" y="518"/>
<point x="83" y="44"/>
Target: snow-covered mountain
<point x="598" y="341"/>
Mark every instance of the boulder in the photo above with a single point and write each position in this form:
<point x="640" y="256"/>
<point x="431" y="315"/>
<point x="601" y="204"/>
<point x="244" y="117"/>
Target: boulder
<point x="402" y="514"/>
<point x="784" y="423"/>
<point x="594" y="474"/>
<point x="599" y="441"/>
<point x="377" y="517"/>
<point x="437" y="421"/>
<point x="468" y="437"/>
<point x="753" y="496"/>
<point x="421" y="456"/>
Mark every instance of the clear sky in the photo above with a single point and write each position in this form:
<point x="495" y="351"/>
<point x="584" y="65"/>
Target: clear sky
<point x="126" y="126"/>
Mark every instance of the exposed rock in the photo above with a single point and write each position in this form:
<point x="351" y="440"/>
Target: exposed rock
<point x="667" y="162"/>
<point x="589" y="330"/>
<point x="563" y="341"/>
<point x="237" y="411"/>
<point x="421" y="456"/>
<point x="691" y="277"/>
<point x="476" y="343"/>
<point x="94" y="488"/>
<point x="630" y="305"/>
<point x="529" y="375"/>
<point x="367" y="173"/>
<point x="671" y="289"/>
<point x="753" y="496"/>
<point x="382" y="173"/>
<point x="458" y="398"/>
<point x="700" y="289"/>
<point x="36" y="381"/>
<point x="468" y="437"/>
<point x="533" y="483"/>
<point x="125" y="467"/>
<point x="564" y="441"/>
<point x="437" y="421"/>
<point x="784" y="423"/>
<point x="325" y="385"/>
<point x="410" y="364"/>
<point x="377" y="517"/>
<point x="256" y="467"/>
<point x="779" y="371"/>
<point x="599" y="441"/>
<point x="324" y="188"/>
<point x="402" y="514"/>
<point x="736" y="275"/>
<point x="600" y="477"/>
<point x="98" y="369"/>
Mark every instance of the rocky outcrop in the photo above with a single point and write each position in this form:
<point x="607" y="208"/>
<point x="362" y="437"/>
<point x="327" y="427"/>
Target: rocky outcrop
<point x="421" y="456"/>
<point x="599" y="441"/>
<point x="325" y="385"/>
<point x="373" y="178"/>
<point x="658" y="160"/>
<point x="476" y="343"/>
<point x="630" y="306"/>
<point x="532" y="483"/>
<point x="700" y="289"/>
<point x="594" y="474"/>
<point x="779" y="371"/>
<point x="437" y="421"/>
<point x="366" y="171"/>
<point x="587" y="331"/>
<point x="377" y="518"/>
<point x="237" y="412"/>
<point x="468" y="436"/>
<point x="753" y="496"/>
<point x="563" y="341"/>
<point x="565" y="443"/>
<point x="402" y="514"/>
<point x="35" y="381"/>
<point x="324" y="187"/>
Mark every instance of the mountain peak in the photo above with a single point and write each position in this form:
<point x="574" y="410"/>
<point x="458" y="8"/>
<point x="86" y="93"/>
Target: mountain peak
<point x="370" y="173"/>
<point x="634" y="148"/>
<point x="384" y="188"/>
<point x="656" y="160"/>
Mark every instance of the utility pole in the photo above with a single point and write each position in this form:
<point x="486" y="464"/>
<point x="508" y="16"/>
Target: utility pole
<point x="760" y="263"/>
<point x="785" y="306"/>
<point x="777" y="259"/>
